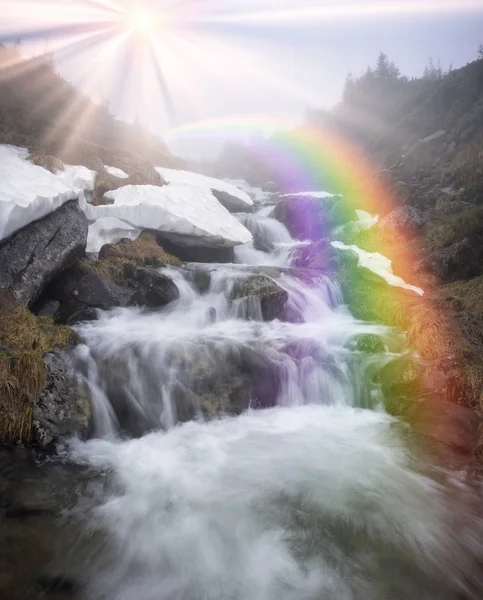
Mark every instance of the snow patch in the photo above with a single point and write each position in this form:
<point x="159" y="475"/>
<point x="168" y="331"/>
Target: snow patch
<point x="109" y="230"/>
<point x="78" y="178"/>
<point x="378" y="264"/>
<point x="117" y="172"/>
<point x="320" y="195"/>
<point x="177" y="177"/>
<point x="29" y="192"/>
<point x="179" y="209"/>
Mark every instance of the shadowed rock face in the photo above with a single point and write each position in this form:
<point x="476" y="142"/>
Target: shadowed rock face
<point x="153" y="289"/>
<point x="260" y="288"/>
<point x="33" y="256"/>
<point x="63" y="410"/>
<point x="462" y="260"/>
<point x="231" y="203"/>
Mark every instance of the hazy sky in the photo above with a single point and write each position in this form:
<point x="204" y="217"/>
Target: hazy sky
<point x="170" y="62"/>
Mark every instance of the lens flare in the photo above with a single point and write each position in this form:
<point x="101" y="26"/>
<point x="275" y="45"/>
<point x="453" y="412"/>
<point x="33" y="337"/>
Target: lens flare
<point x="143" y="21"/>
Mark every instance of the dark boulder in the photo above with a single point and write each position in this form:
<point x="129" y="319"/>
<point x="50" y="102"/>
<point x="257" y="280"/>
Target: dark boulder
<point x="49" y="308"/>
<point x="270" y="296"/>
<point x="153" y="289"/>
<point x="189" y="249"/>
<point x="463" y="260"/>
<point x="33" y="256"/>
<point x="63" y="410"/>
<point x="80" y="289"/>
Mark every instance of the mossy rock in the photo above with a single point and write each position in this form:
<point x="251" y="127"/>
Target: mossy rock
<point x="370" y="343"/>
<point x="24" y="339"/>
<point x="144" y="252"/>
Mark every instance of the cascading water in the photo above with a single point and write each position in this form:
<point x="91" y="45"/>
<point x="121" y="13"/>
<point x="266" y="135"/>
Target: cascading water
<point x="311" y="498"/>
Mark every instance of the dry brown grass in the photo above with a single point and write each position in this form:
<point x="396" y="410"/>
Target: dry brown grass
<point x="24" y="338"/>
<point x="144" y="252"/>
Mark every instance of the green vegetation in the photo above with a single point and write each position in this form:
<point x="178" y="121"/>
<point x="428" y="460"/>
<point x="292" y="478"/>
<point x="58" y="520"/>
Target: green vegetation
<point x="24" y="339"/>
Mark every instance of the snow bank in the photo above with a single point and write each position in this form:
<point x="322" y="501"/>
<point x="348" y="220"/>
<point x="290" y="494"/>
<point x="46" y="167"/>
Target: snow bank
<point x="180" y="209"/>
<point x="177" y="177"/>
<point x="29" y="192"/>
<point x="117" y="172"/>
<point x="321" y="195"/>
<point x="109" y="230"/>
<point x="378" y="264"/>
<point x="78" y="178"/>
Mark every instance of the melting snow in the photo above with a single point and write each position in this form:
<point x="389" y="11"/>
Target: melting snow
<point x="177" y="177"/>
<point x="320" y="195"/>
<point x="29" y="192"/>
<point x="109" y="230"/>
<point x="117" y="172"/>
<point x="378" y="264"/>
<point x="180" y="209"/>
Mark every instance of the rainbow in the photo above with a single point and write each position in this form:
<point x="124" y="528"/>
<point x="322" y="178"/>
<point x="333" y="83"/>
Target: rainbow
<point x="313" y="158"/>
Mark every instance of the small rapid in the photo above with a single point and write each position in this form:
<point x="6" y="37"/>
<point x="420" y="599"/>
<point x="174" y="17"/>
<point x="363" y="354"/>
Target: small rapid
<point x="250" y="459"/>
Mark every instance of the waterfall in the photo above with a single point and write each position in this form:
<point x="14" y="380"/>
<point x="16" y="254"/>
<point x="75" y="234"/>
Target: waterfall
<point x="309" y="490"/>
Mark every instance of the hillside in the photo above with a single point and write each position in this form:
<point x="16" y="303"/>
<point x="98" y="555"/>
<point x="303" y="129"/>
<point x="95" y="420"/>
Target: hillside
<point x="43" y="112"/>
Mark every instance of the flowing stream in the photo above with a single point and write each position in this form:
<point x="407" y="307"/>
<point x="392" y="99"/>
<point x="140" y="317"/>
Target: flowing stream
<point x="312" y="493"/>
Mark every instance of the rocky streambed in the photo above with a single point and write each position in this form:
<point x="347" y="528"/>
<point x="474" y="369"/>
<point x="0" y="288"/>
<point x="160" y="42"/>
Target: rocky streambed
<point x="238" y="432"/>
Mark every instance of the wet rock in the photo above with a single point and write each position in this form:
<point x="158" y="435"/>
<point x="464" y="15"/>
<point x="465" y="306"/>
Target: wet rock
<point x="63" y="410"/>
<point x="403" y="218"/>
<point x="153" y="289"/>
<point x="271" y="296"/>
<point x="189" y="249"/>
<point x="231" y="203"/>
<point x="309" y="218"/>
<point x="463" y="260"/>
<point x="86" y="314"/>
<point x="80" y="289"/>
<point x="48" y="308"/>
<point x="370" y="343"/>
<point x="32" y="257"/>
<point x="318" y="256"/>
<point x="200" y="278"/>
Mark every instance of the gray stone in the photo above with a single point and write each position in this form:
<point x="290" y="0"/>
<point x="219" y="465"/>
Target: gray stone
<point x="154" y="290"/>
<point x="403" y="217"/>
<point x="50" y="308"/>
<point x="271" y="296"/>
<point x="63" y="410"/>
<point x="33" y="256"/>
<point x="231" y="203"/>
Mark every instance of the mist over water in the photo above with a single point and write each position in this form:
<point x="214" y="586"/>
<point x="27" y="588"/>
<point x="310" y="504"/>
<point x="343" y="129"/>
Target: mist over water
<point x="313" y="492"/>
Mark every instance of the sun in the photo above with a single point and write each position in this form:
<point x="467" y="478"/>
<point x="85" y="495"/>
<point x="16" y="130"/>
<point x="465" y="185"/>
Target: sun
<point x="143" y="21"/>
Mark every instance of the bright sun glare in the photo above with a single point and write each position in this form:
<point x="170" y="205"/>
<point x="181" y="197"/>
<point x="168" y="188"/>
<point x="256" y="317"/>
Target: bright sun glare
<point x="143" y="21"/>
